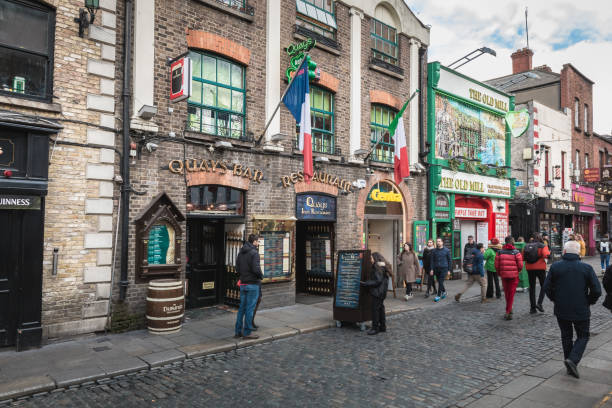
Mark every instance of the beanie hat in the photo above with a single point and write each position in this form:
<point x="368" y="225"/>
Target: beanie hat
<point x="495" y="241"/>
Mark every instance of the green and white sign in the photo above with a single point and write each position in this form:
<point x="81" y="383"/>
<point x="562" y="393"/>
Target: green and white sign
<point x="518" y="122"/>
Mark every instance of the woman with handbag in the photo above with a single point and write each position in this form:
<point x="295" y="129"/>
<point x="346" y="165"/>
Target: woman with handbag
<point x="408" y="268"/>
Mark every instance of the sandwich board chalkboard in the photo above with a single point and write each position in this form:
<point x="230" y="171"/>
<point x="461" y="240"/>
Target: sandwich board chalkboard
<point x="352" y="302"/>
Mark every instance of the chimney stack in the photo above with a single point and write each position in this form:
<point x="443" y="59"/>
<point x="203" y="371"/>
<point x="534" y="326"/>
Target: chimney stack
<point x="521" y="60"/>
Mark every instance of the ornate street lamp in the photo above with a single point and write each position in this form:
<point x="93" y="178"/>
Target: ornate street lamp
<point x="549" y="187"/>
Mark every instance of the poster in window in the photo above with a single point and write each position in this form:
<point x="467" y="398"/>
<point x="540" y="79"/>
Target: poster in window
<point x="274" y="255"/>
<point x="482" y="233"/>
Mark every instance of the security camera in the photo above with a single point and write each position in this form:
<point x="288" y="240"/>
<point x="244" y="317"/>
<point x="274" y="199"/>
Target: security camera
<point x="151" y="147"/>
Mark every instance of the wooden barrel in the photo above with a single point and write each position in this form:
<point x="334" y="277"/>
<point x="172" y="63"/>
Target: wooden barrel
<point x="165" y="306"/>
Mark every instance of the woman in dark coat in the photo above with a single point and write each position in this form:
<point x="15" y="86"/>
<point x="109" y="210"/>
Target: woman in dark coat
<point x="427" y="267"/>
<point x="378" y="285"/>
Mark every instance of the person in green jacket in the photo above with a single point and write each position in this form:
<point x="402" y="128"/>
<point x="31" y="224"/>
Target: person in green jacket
<point x="523" y="284"/>
<point x="492" y="276"/>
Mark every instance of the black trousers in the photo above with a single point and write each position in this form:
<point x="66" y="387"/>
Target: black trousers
<point x="541" y="275"/>
<point x="574" y="349"/>
<point x="431" y="282"/>
<point x="493" y="277"/>
<point x="408" y="287"/>
<point x="440" y="275"/>
<point x="379" y="321"/>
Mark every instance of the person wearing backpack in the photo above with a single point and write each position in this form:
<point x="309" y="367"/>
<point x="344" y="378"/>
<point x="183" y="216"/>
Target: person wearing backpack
<point x="476" y="274"/>
<point x="508" y="264"/>
<point x="492" y="276"/>
<point x="535" y="254"/>
<point x="468" y="254"/>
<point x="603" y="247"/>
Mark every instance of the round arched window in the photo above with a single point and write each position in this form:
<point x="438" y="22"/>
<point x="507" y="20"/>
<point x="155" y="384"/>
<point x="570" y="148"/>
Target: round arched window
<point x="214" y="200"/>
<point x="384" y="198"/>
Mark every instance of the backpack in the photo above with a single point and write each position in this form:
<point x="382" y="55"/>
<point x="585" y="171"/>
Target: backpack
<point x="531" y="252"/>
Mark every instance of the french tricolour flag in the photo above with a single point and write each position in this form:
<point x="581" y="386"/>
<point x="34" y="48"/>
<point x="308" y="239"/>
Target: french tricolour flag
<point x="297" y="100"/>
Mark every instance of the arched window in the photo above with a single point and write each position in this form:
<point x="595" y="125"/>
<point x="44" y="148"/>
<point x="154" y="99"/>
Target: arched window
<point x="380" y="118"/>
<point x="384" y="198"/>
<point x="217" y="103"/>
<point x="384" y="41"/>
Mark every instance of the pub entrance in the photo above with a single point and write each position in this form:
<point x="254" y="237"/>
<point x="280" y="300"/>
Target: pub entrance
<point x="215" y="234"/>
<point x="314" y="257"/>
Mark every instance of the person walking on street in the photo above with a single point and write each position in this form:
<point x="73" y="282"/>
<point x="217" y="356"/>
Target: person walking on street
<point x="492" y="276"/>
<point x="535" y="254"/>
<point x="427" y="267"/>
<point x="476" y="274"/>
<point x="409" y="268"/>
<point x="249" y="272"/>
<point x="603" y="247"/>
<point x="607" y="284"/>
<point x="468" y="251"/>
<point x="580" y="240"/>
<point x="508" y="264"/>
<point x="523" y="284"/>
<point x="378" y="285"/>
<point x="441" y="265"/>
<point x="572" y="286"/>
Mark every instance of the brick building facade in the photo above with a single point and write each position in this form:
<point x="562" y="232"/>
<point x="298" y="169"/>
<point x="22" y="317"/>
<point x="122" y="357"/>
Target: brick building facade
<point x="206" y="149"/>
<point x="57" y="139"/>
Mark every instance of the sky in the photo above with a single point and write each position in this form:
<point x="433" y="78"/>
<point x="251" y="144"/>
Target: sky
<point x="560" y="32"/>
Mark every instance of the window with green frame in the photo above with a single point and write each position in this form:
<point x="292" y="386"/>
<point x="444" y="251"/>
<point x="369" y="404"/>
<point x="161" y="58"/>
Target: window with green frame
<point x="317" y="16"/>
<point x="384" y="41"/>
<point x="321" y="120"/>
<point x="380" y="118"/>
<point x="217" y="103"/>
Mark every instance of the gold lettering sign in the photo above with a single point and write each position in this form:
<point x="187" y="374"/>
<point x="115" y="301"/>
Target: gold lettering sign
<point x="488" y="100"/>
<point x="378" y="195"/>
<point x="319" y="176"/>
<point x="214" y="166"/>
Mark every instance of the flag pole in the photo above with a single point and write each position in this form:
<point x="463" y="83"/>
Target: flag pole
<point x="381" y="136"/>
<point x="258" y="141"/>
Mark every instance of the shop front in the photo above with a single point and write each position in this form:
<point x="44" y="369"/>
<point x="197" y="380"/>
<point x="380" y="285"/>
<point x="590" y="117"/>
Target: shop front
<point x="555" y="219"/>
<point x="584" y="221"/>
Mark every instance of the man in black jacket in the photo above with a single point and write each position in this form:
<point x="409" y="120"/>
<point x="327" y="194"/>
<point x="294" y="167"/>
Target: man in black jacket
<point x="572" y="286"/>
<point x="468" y="254"/>
<point x="249" y="272"/>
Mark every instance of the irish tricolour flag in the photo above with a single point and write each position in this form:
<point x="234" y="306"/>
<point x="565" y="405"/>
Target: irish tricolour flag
<point x="400" y="160"/>
<point x="297" y="100"/>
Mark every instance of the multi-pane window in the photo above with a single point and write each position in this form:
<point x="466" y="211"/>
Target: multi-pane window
<point x="586" y="160"/>
<point x="380" y="118"/>
<point x="26" y="48"/>
<point x="577" y="160"/>
<point x="317" y="16"/>
<point x="576" y="113"/>
<point x="384" y="41"/>
<point x="217" y="103"/>
<point x="586" y="118"/>
<point x="321" y="120"/>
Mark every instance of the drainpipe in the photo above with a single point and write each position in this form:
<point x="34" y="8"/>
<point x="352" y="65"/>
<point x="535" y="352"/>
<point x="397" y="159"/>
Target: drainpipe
<point x="125" y="162"/>
<point x="423" y="148"/>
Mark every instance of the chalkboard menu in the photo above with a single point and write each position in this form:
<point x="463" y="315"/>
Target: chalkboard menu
<point x="349" y="275"/>
<point x="159" y="241"/>
<point x="274" y="254"/>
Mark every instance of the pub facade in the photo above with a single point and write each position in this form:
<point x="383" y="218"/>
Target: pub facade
<point x="208" y="173"/>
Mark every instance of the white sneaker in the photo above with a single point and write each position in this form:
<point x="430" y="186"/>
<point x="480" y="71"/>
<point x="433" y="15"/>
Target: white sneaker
<point x="408" y="297"/>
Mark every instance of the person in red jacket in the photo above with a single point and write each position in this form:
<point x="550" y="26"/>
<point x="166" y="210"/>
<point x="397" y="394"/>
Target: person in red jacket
<point x="536" y="268"/>
<point x="508" y="264"/>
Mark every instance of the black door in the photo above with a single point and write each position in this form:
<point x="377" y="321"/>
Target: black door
<point x="314" y="257"/>
<point x="21" y="238"/>
<point x="206" y="254"/>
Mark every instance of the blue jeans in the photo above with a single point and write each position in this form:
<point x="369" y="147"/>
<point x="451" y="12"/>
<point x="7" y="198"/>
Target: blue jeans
<point x="574" y="349"/>
<point x="604" y="258"/>
<point x="248" y="300"/>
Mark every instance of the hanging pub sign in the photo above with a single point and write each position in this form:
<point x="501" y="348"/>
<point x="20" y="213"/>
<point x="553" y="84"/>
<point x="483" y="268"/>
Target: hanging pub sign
<point x="518" y="122"/>
<point x="315" y="207"/>
<point x="180" y="79"/>
<point x="606" y="173"/>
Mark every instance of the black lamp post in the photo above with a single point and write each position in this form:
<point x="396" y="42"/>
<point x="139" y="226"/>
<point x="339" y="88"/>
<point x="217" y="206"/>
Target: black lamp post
<point x="549" y="187"/>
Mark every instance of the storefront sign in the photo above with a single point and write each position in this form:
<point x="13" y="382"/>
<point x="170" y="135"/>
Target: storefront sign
<point x="442" y="201"/>
<point x="180" y="79"/>
<point x="462" y="212"/>
<point x="315" y="207"/>
<point x="378" y="195"/>
<point x="468" y="89"/>
<point x="214" y="166"/>
<point x="320" y="177"/>
<point x="558" y="206"/>
<point x="442" y="215"/>
<point x="591" y="175"/>
<point x="518" y="122"/>
<point x="466" y="183"/>
<point x="585" y="197"/>
<point x="19" y="202"/>
<point x="296" y="54"/>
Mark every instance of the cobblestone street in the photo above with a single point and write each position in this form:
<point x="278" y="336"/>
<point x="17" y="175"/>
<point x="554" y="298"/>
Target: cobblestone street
<point x="440" y="357"/>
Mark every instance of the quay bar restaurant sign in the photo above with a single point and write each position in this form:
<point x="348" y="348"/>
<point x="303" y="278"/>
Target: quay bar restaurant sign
<point x="320" y="177"/>
<point x="315" y="207"/>
<point x="466" y="183"/>
<point x="214" y="166"/>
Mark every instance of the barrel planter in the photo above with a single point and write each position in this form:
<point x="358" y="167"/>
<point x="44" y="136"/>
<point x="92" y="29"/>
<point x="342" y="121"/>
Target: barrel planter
<point x="165" y="306"/>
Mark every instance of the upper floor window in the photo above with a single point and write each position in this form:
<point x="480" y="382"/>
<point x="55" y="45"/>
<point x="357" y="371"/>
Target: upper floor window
<point x="586" y="118"/>
<point x="380" y="118"/>
<point x="321" y="120"/>
<point x="217" y="103"/>
<point x="576" y="113"/>
<point x="317" y="16"/>
<point x="26" y="49"/>
<point x="577" y="160"/>
<point x="586" y="160"/>
<point x="384" y="41"/>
